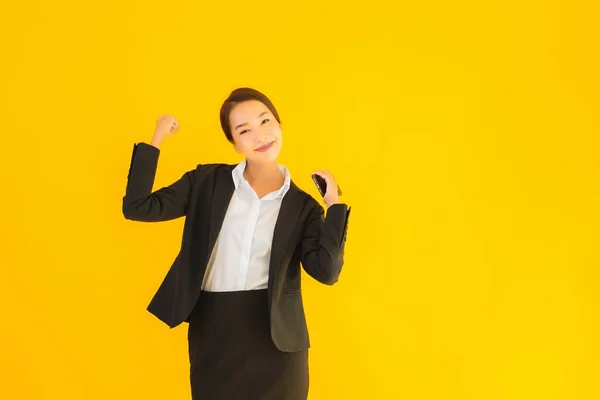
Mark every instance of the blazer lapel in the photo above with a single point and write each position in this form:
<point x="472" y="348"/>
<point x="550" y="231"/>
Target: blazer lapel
<point x="224" y="188"/>
<point x="291" y="205"/>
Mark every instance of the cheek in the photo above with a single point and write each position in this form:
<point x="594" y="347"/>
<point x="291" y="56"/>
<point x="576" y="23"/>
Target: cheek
<point x="246" y="142"/>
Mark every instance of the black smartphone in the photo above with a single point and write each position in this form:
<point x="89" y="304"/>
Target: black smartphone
<point x="322" y="185"/>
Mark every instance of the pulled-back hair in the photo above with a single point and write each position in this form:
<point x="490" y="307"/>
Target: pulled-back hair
<point x="238" y="96"/>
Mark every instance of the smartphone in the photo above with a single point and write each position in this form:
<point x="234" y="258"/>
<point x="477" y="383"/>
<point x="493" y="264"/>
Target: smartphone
<point x="322" y="185"/>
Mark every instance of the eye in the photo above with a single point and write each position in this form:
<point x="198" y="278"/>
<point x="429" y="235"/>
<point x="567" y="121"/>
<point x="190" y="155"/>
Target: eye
<point x="266" y="119"/>
<point x="242" y="132"/>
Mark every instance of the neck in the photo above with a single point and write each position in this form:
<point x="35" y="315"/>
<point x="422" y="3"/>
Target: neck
<point x="262" y="172"/>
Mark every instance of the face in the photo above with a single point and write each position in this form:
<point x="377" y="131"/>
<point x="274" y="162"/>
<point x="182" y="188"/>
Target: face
<point x="253" y="126"/>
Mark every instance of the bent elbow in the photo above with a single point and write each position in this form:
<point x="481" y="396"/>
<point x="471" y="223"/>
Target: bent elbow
<point x="329" y="278"/>
<point x="128" y="210"/>
<point x="330" y="281"/>
<point x="324" y="268"/>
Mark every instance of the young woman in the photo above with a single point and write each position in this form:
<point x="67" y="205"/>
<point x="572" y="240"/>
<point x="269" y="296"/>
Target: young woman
<point x="236" y="279"/>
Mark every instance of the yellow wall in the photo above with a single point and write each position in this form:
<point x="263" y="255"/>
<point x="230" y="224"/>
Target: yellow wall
<point x="463" y="133"/>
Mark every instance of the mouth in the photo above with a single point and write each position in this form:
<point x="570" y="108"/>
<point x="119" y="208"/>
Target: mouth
<point x="265" y="147"/>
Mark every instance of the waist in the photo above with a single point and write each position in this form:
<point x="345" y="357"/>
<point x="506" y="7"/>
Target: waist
<point x="233" y="294"/>
<point x="239" y="304"/>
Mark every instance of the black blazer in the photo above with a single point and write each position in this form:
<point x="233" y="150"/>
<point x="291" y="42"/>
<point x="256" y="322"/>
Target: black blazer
<point x="302" y="235"/>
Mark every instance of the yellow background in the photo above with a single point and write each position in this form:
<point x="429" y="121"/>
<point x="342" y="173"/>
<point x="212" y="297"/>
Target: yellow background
<point x="463" y="133"/>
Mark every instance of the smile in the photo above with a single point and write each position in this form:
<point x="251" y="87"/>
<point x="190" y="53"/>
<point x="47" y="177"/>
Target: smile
<point x="265" y="147"/>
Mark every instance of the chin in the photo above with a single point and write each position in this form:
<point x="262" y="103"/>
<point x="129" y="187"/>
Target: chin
<point x="265" y="159"/>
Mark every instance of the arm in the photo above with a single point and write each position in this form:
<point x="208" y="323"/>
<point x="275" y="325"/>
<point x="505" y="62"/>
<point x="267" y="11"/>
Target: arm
<point x="139" y="202"/>
<point x="323" y="242"/>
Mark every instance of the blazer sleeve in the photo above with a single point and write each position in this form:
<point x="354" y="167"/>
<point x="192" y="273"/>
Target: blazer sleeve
<point x="323" y="242"/>
<point x="140" y="203"/>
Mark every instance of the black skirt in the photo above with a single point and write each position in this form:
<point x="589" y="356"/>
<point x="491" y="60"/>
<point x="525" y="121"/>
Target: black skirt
<point x="232" y="355"/>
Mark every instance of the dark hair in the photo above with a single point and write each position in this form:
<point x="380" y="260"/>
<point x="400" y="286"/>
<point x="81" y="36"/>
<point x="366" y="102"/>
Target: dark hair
<point x="238" y="96"/>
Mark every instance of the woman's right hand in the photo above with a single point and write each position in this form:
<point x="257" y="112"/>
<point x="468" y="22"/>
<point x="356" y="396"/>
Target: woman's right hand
<point x="166" y="126"/>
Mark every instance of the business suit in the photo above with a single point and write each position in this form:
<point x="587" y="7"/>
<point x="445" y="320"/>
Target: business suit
<point x="302" y="236"/>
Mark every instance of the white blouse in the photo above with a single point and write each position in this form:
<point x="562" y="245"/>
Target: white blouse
<point x="240" y="257"/>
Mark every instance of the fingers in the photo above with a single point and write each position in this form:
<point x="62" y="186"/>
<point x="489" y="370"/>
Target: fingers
<point x="175" y="126"/>
<point x="328" y="176"/>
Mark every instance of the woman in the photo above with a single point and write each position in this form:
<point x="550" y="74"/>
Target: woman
<point x="236" y="279"/>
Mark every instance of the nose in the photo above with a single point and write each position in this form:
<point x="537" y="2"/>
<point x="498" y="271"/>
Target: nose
<point x="261" y="137"/>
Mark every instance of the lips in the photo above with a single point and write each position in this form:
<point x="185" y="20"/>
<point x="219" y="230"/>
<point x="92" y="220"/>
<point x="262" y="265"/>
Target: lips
<point x="265" y="147"/>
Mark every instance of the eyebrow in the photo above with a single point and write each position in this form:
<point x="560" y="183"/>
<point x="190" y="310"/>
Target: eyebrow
<point x="245" y="123"/>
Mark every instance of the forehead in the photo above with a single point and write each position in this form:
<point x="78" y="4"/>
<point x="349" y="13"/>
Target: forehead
<point x="247" y="110"/>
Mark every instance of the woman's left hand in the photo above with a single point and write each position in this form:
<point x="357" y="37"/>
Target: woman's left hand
<point x="331" y="194"/>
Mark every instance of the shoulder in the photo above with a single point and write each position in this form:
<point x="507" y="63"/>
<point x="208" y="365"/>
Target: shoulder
<point x="308" y="200"/>
<point x="204" y="170"/>
<point x="207" y="172"/>
<point x="214" y="167"/>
